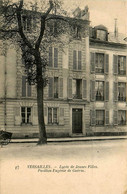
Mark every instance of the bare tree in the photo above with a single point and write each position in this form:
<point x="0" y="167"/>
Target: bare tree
<point x="33" y="43"/>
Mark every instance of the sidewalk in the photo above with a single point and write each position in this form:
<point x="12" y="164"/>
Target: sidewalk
<point x="69" y="139"/>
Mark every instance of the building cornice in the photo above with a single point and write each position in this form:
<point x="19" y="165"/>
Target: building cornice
<point x="107" y="44"/>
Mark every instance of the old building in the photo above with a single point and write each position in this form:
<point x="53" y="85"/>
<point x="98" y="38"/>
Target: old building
<point x="87" y="90"/>
<point x="108" y="75"/>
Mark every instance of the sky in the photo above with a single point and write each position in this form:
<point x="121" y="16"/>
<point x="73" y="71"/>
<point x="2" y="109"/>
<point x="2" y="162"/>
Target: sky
<point x="103" y="12"/>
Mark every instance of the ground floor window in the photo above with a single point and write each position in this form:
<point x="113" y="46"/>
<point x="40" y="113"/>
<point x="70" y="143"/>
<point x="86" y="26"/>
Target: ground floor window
<point x="100" y="115"/>
<point x="122" y="117"/>
<point x="26" y="115"/>
<point x="53" y="115"/>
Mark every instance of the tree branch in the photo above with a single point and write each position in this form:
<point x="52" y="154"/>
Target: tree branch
<point x="8" y="31"/>
<point x="25" y="40"/>
<point x="49" y="9"/>
<point x="43" y="25"/>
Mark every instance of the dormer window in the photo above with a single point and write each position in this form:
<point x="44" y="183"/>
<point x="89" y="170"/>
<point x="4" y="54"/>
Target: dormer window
<point x="101" y="35"/>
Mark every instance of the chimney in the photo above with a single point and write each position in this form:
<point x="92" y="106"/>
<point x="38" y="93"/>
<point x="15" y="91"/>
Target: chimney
<point x="116" y="28"/>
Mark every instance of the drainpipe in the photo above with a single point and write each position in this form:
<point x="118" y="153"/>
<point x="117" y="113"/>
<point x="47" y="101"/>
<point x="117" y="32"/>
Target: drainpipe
<point x="5" y="91"/>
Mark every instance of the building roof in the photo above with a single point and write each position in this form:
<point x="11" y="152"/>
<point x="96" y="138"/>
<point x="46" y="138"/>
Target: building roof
<point x="101" y="27"/>
<point x="119" y="38"/>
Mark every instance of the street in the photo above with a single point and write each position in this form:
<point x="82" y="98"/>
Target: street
<point x="90" y="167"/>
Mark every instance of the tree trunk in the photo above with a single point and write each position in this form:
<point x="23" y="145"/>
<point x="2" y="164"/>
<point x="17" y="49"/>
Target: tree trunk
<point x="40" y="104"/>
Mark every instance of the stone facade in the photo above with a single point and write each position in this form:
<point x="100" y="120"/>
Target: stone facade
<point x="69" y="99"/>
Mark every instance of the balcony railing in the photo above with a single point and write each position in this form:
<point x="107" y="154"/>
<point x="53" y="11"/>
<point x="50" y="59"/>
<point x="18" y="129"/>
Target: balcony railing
<point x="121" y="72"/>
<point x="122" y="98"/>
<point x="99" y="70"/>
<point x="99" y="122"/>
<point x="122" y="122"/>
<point x="55" y="95"/>
<point x="100" y="98"/>
<point x="77" y="96"/>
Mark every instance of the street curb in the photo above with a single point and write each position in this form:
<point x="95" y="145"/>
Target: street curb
<point x="68" y="140"/>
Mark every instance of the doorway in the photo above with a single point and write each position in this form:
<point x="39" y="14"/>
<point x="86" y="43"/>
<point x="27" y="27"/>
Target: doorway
<point x="76" y="120"/>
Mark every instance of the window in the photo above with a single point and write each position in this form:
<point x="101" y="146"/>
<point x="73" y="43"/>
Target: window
<point x="26" y="88"/>
<point x="27" y="23"/>
<point x="99" y="90"/>
<point x="77" y="88"/>
<point x="100" y="117"/>
<point x="26" y="115"/>
<point x="77" y="60"/>
<point x="55" y="89"/>
<point x="99" y="63"/>
<point x="53" y="28"/>
<point x="121" y="91"/>
<point x="53" y="57"/>
<point x="102" y="35"/>
<point x="121" y="65"/>
<point x="53" y="115"/>
<point x="76" y="32"/>
<point x="121" y="117"/>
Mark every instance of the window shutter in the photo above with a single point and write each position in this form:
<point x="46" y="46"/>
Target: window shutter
<point x="126" y="93"/>
<point x="35" y="115"/>
<point x="74" y="59"/>
<point x="79" y="60"/>
<point x="17" y="116"/>
<point x="106" y="91"/>
<point x="55" y="57"/>
<point x="45" y="115"/>
<point x="106" y="64"/>
<point x="92" y="91"/>
<point x="23" y="86"/>
<point x="29" y="90"/>
<point x="61" y="116"/>
<point x="115" y="117"/>
<point x="70" y="88"/>
<point x="84" y="91"/>
<point x="61" y="87"/>
<point x="92" y="62"/>
<point x="93" y="117"/>
<point x="115" y="91"/>
<point x="106" y="117"/>
<point x="115" y="64"/>
<point x="126" y="117"/>
<point x="126" y="65"/>
<point x="50" y="56"/>
<point x="50" y="87"/>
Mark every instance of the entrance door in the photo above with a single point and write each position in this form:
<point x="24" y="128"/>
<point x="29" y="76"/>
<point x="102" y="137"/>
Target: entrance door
<point x="76" y="120"/>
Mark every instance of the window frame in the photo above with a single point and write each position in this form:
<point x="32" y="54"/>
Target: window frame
<point x="53" y="57"/>
<point x="100" y="36"/>
<point x="26" y="115"/>
<point x="77" y="60"/>
<point x="124" y="121"/>
<point x="99" y="97"/>
<point x="52" y="116"/>
<point x="122" y="72"/>
<point x="97" y="66"/>
<point x="76" y="95"/>
<point x="101" y="124"/>
<point x="27" y="85"/>
<point x="122" y="98"/>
